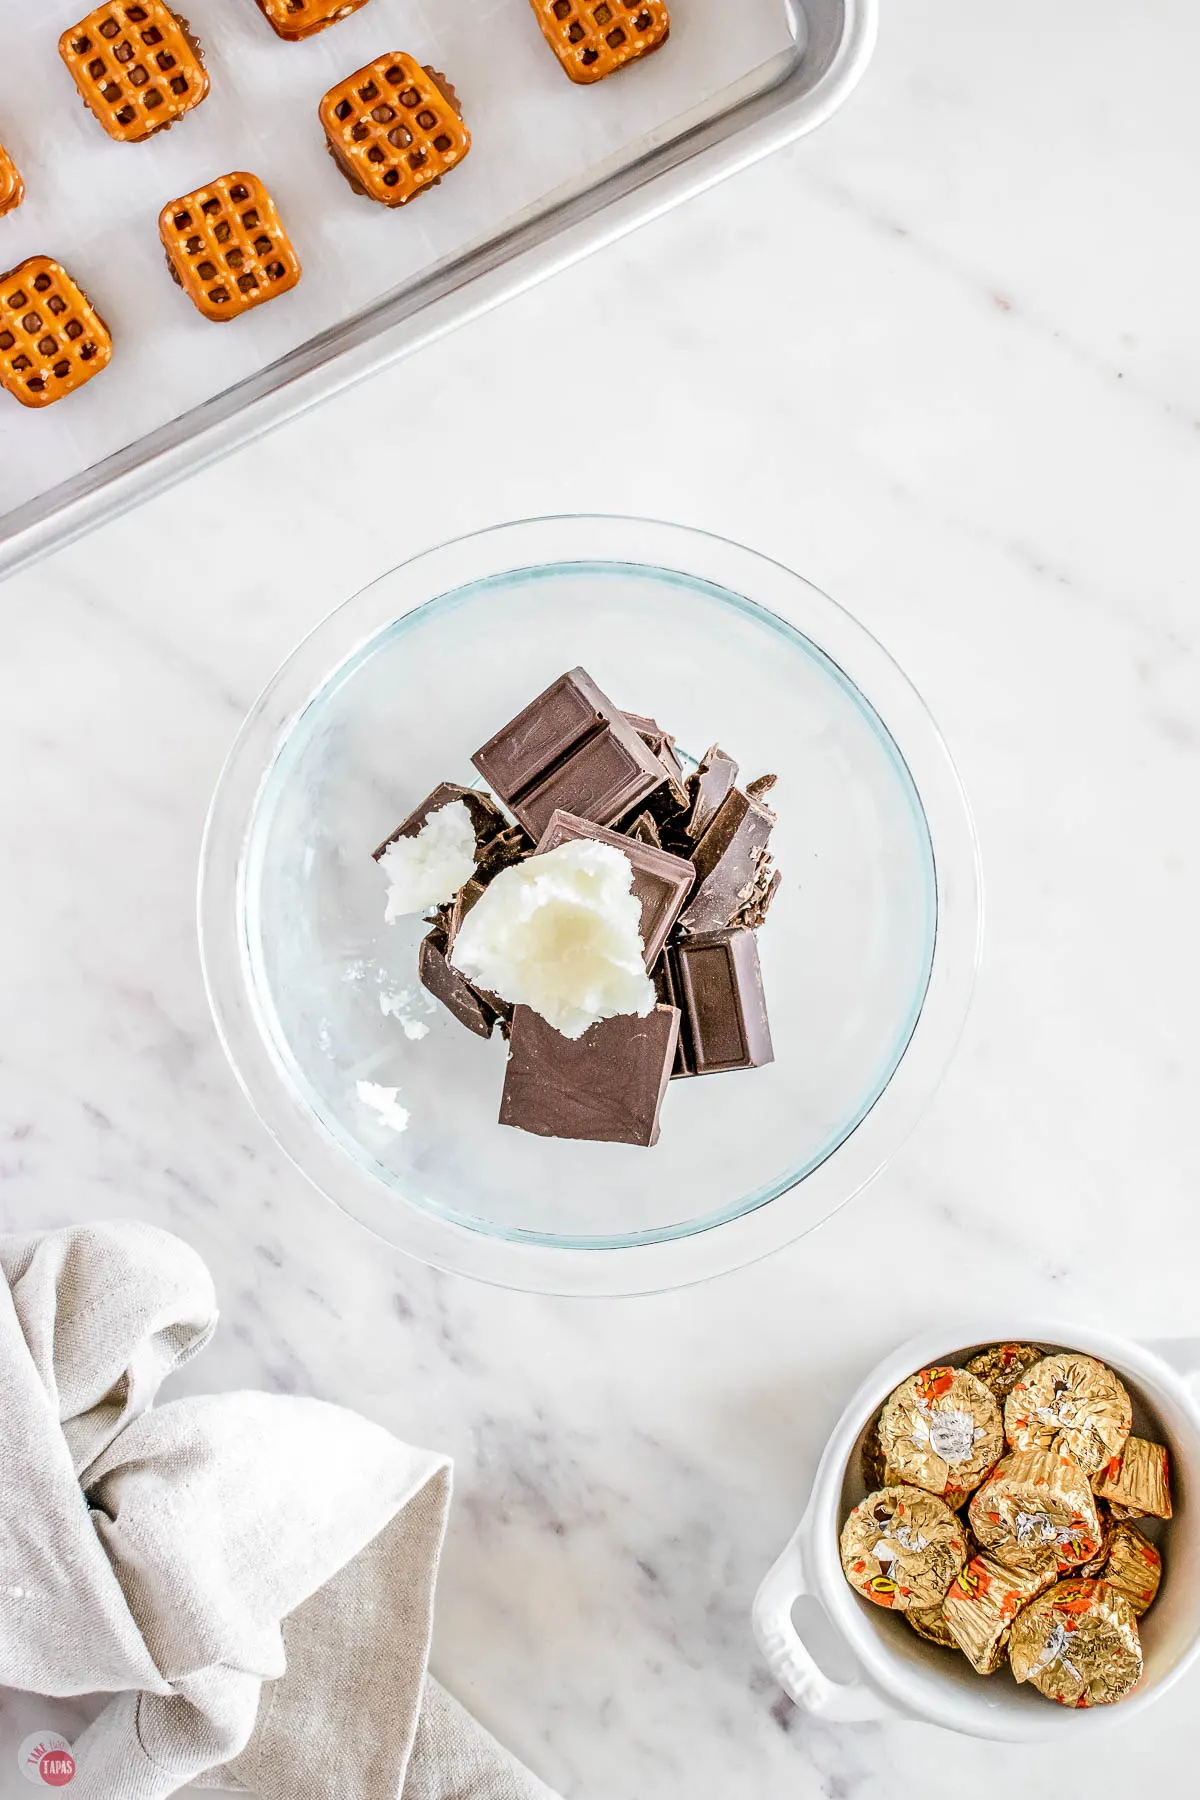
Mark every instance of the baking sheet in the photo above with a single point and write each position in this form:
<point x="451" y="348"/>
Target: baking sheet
<point x="94" y="204"/>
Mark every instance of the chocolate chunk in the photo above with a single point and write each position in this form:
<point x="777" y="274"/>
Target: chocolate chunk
<point x="716" y="982"/>
<point x="707" y="790"/>
<point x="486" y="816"/>
<point x="454" y="990"/>
<point x="570" y="748"/>
<point x="728" y="862"/>
<point x="661" y="882"/>
<point x="759" y="789"/>
<point x="766" y="885"/>
<point x="663" y="746"/>
<point x="607" y="1086"/>
<point x="665" y="975"/>
<point x="645" y="829"/>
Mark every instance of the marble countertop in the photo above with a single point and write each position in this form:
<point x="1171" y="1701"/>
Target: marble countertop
<point x="940" y="358"/>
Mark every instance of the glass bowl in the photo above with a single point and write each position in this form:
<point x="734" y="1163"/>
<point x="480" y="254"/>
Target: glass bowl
<point x="868" y="954"/>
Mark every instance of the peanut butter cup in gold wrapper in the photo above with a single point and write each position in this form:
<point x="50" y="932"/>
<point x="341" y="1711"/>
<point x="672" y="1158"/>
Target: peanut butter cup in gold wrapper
<point x="983" y="1601"/>
<point x="1134" y="1567"/>
<point x="942" y="1430"/>
<point x="902" y="1547"/>
<point x="875" y="1471"/>
<point x="1078" y="1644"/>
<point x="1002" y="1365"/>
<point x="930" y="1623"/>
<point x="1037" y="1502"/>
<point x="1137" y="1481"/>
<point x="1095" y="1564"/>
<point x="1073" y="1405"/>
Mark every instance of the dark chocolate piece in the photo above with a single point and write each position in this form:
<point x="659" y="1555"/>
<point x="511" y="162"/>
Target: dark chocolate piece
<point x="707" y="790"/>
<point x="661" y="882"/>
<point x="607" y="1086"/>
<point x="454" y="990"/>
<point x="645" y="829"/>
<point x="766" y="885"/>
<point x="717" y="981"/>
<point x="728" y="862"/>
<point x="663" y="746"/>
<point x="664" y="975"/>
<point x="758" y="790"/>
<point x="486" y="816"/>
<point x="570" y="748"/>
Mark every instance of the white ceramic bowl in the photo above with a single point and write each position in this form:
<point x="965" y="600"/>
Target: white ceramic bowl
<point x="898" y="1674"/>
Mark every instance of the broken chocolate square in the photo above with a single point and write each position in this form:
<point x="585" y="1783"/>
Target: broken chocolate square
<point x="661" y="882"/>
<point x="716" y="982"/>
<point x="571" y="748"/>
<point x="707" y="790"/>
<point x="606" y="1086"/>
<point x="486" y="816"/>
<point x="728" y="862"/>
<point x="467" y="1003"/>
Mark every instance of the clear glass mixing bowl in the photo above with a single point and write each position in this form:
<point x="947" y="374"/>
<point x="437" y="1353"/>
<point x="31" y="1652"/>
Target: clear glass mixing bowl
<point x="868" y="955"/>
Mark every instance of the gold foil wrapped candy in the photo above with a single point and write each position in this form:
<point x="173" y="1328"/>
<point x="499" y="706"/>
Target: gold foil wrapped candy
<point x="929" y="1622"/>
<point x="1073" y="1405"/>
<point x="942" y="1430"/>
<point x="1078" y="1644"/>
<point x="1134" y="1567"/>
<point x="1002" y="1365"/>
<point x="875" y="1471"/>
<point x="1095" y="1564"/>
<point x="983" y="1601"/>
<point x="1036" y="1502"/>
<point x="902" y="1547"/>
<point x="1137" y="1481"/>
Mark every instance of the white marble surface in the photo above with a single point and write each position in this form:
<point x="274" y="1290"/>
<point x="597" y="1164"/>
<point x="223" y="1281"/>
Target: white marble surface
<point x="942" y="359"/>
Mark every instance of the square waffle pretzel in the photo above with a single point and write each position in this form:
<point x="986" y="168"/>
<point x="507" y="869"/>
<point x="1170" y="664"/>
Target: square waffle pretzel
<point x="137" y="67"/>
<point x="52" y="339"/>
<point x="12" y="188"/>
<point x="226" y="247"/>
<point x="394" y="129"/>
<point x="296" y="19"/>
<point x="595" y="38"/>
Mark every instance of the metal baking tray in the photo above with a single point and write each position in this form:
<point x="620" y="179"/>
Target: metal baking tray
<point x="663" y="158"/>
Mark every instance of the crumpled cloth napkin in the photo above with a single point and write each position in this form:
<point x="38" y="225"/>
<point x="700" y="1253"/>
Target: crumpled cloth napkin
<point x="251" y="1576"/>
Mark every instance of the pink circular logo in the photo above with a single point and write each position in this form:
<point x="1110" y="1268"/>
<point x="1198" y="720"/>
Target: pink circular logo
<point x="46" y="1760"/>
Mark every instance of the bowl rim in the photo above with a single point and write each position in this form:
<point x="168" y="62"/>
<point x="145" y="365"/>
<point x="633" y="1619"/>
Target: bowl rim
<point x="965" y="1709"/>
<point x="862" y="662"/>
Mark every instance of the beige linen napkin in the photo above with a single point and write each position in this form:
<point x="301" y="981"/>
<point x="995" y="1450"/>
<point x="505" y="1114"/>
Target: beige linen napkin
<point x="251" y="1576"/>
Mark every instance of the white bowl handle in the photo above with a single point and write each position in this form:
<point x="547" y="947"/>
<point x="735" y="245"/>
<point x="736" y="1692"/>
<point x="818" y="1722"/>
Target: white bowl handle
<point x="1183" y="1354"/>
<point x="789" y="1658"/>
